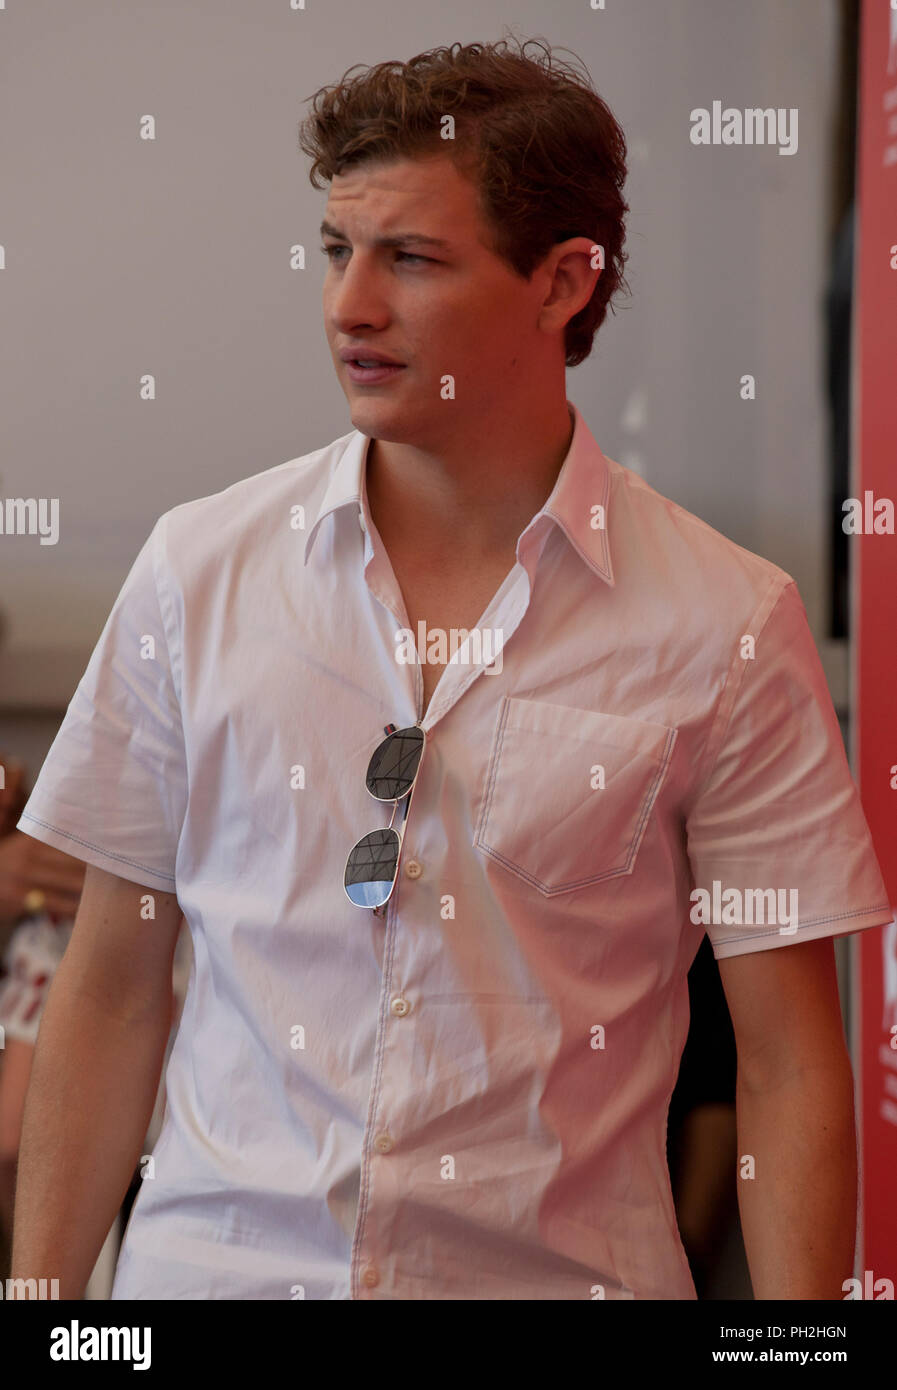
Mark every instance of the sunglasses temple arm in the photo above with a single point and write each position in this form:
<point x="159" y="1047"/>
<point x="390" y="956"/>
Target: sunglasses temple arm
<point x="406" y="804"/>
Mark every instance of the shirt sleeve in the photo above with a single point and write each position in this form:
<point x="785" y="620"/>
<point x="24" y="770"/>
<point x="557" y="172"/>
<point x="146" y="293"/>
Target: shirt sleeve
<point x="778" y="818"/>
<point x="113" y="787"/>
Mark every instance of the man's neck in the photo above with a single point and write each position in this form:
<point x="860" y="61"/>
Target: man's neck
<point x="476" y="495"/>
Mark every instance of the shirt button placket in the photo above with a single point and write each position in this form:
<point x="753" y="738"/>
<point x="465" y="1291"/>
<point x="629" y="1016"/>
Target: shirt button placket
<point x="383" y="1142"/>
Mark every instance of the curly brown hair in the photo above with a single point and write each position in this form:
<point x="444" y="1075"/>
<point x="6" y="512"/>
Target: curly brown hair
<point x="545" y="152"/>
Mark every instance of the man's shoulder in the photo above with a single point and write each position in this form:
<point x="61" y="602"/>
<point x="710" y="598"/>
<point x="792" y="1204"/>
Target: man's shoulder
<point x="248" y="496"/>
<point x="253" y="510"/>
<point x="684" y="554"/>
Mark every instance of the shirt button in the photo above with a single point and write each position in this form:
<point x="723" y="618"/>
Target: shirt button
<point x="413" y="869"/>
<point x="370" y="1277"/>
<point x="383" y="1143"/>
<point x="401" y="1007"/>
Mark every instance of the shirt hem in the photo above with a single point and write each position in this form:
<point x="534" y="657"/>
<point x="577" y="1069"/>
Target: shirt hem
<point x="831" y="926"/>
<point x="93" y="854"/>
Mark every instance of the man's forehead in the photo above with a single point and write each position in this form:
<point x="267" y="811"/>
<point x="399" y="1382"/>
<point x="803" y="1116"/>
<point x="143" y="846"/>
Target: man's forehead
<point x="432" y="181"/>
<point x="400" y="173"/>
<point x="408" y="202"/>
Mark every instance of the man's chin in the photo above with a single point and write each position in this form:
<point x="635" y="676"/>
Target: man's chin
<point x="380" y="418"/>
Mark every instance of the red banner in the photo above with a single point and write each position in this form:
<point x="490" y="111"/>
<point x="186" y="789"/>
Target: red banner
<point x="874" y="631"/>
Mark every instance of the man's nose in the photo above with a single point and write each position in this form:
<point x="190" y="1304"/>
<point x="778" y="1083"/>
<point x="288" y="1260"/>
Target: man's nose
<point x="359" y="295"/>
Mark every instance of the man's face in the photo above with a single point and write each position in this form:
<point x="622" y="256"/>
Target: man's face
<point x="453" y="309"/>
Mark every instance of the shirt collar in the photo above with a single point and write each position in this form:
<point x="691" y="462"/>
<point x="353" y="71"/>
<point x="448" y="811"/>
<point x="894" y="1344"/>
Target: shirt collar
<point x="579" y="502"/>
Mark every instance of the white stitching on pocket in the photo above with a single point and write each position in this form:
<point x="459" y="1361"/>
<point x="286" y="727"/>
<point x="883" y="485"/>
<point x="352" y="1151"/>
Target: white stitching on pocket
<point x="536" y="747"/>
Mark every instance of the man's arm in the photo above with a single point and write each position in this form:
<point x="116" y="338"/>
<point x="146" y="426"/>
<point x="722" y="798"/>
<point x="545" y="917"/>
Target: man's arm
<point x="94" y="1079"/>
<point x="795" y="1117"/>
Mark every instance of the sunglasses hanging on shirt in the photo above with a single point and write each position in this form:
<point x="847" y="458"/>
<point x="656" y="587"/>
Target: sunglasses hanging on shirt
<point x="373" y="861"/>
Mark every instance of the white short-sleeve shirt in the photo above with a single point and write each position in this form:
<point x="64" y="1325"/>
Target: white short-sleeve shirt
<point x="467" y="1097"/>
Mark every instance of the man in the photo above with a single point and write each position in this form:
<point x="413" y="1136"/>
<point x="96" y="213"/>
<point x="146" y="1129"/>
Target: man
<point x="458" y="1091"/>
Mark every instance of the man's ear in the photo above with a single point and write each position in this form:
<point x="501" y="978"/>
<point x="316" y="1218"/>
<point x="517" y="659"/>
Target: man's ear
<point x="574" y="266"/>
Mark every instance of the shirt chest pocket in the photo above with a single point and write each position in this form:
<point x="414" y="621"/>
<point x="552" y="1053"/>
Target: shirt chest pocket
<point x="569" y="792"/>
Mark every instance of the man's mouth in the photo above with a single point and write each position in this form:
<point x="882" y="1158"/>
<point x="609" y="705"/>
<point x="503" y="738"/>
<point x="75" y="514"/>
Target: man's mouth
<point x="369" y="369"/>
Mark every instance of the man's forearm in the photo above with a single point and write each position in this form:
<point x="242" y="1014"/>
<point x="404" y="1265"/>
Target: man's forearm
<point x="798" y="1211"/>
<point x="90" y="1099"/>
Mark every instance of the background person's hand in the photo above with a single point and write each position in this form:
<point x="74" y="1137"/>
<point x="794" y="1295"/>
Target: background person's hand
<point x="14" y="795"/>
<point x="26" y="863"/>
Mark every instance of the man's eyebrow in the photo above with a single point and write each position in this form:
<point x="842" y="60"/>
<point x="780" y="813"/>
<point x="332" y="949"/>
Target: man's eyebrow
<point x="396" y="240"/>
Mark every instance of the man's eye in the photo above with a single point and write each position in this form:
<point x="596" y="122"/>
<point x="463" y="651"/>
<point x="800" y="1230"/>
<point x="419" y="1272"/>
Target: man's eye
<point x="329" y="251"/>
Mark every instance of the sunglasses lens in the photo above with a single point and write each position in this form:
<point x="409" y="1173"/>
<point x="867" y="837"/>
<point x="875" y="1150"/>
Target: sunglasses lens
<point x="393" y="766"/>
<point x="371" y="868"/>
